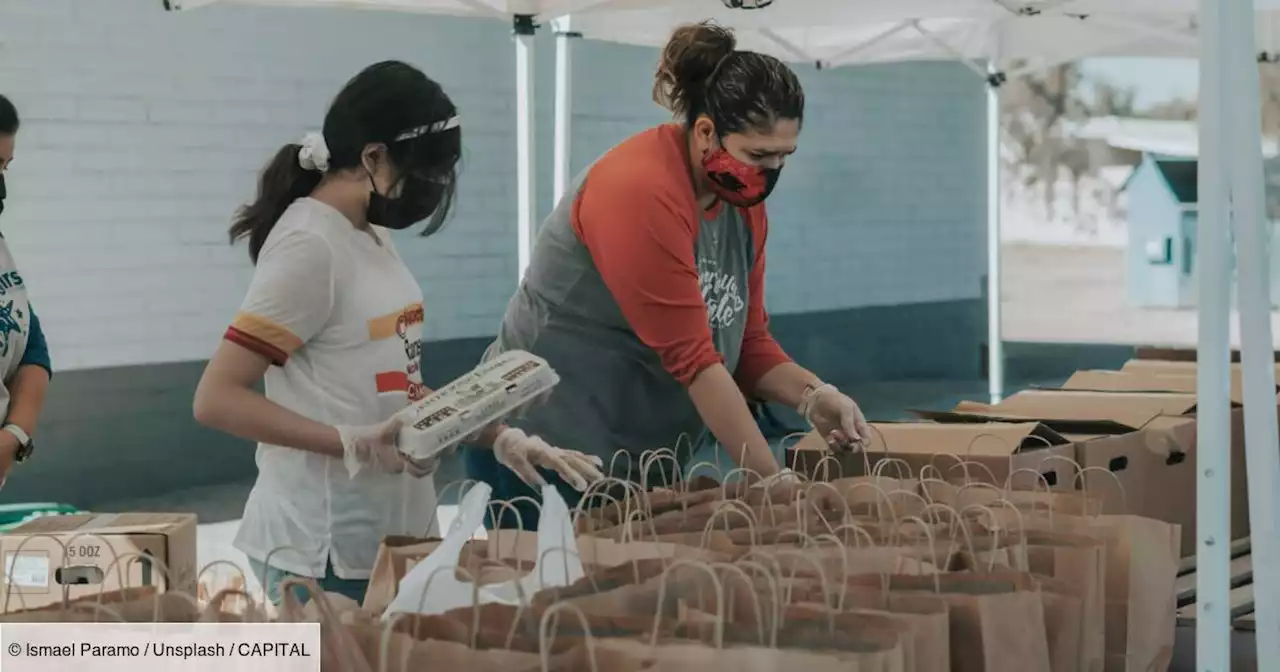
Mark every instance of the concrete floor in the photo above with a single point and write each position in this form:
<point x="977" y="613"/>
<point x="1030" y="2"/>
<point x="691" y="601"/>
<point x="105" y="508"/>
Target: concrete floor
<point x="1058" y="294"/>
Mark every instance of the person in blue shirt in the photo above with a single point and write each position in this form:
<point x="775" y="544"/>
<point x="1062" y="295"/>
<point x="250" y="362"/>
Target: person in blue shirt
<point x="25" y="368"/>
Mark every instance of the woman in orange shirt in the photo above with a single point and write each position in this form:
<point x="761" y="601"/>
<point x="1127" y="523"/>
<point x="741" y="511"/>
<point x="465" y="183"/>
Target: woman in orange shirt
<point x="646" y="286"/>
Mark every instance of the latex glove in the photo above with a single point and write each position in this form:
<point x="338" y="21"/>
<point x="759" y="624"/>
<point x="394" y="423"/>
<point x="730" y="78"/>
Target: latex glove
<point x="373" y="447"/>
<point x="422" y="468"/>
<point x="522" y="453"/>
<point x="836" y="417"/>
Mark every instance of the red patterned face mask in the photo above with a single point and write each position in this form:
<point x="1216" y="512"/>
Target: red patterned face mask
<point x="737" y="183"/>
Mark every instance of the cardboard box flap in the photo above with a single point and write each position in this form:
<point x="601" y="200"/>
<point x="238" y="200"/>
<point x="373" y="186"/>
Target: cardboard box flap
<point x="1129" y="381"/>
<point x="982" y="413"/>
<point x="1133" y="408"/>
<point x="1068" y="410"/>
<point x="1150" y="381"/>
<point x="1163" y="367"/>
<point x="999" y="439"/>
<point x="106" y="523"/>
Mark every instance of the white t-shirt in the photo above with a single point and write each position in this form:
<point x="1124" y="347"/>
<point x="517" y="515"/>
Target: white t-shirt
<point x="341" y="318"/>
<point x="15" y="322"/>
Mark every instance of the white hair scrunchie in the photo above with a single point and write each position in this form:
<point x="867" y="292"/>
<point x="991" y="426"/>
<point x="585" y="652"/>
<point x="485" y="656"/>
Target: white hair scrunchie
<point x="314" y="154"/>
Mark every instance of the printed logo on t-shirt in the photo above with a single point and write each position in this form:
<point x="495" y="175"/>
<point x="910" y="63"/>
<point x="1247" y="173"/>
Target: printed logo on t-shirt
<point x="406" y="326"/>
<point x="9" y="325"/>
<point x="722" y="292"/>
<point x="8" y="281"/>
<point x="11" y="315"/>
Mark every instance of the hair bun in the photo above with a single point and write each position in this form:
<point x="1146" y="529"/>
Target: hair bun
<point x="689" y="59"/>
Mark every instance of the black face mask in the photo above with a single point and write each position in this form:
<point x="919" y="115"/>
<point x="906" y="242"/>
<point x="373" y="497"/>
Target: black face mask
<point x="3" y="193"/>
<point x="417" y="201"/>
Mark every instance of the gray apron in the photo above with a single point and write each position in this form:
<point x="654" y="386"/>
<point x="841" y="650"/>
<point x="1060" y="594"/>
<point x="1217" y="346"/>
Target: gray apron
<point x="614" y="393"/>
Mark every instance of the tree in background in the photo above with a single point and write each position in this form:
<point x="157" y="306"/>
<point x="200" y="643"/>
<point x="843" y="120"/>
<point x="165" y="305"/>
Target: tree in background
<point x="1035" y="109"/>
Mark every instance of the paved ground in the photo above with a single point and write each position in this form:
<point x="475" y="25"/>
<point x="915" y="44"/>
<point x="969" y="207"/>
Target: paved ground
<point x="1058" y="294"/>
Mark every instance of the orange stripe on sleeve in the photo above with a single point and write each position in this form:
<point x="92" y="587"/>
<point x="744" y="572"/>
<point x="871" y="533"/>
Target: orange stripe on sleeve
<point x="254" y="344"/>
<point x="269" y="332"/>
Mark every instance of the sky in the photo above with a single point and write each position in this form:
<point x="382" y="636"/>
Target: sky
<point x="1155" y="80"/>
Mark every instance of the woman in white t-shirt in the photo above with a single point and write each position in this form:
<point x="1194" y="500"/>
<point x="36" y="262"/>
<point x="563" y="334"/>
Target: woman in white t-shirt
<point x="333" y="321"/>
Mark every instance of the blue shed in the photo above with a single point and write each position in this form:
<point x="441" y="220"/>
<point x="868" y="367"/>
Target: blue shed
<point x="1162" y="219"/>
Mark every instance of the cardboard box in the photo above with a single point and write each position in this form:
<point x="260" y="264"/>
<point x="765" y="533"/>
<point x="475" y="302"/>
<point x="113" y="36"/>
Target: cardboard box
<point x="1137" y="450"/>
<point x="1003" y="448"/>
<point x="49" y="559"/>
<point x="1144" y="381"/>
<point x="1173" y="354"/>
<point x="1074" y="413"/>
<point x="1175" y="368"/>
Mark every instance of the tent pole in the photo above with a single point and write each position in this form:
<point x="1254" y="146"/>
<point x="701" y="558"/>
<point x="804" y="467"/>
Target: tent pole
<point x="1213" y="429"/>
<point x="995" y="338"/>
<point x="1253" y="244"/>
<point x="526" y="176"/>
<point x="565" y="37"/>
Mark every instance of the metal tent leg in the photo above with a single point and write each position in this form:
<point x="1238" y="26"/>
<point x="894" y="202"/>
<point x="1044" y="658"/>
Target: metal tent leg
<point x="526" y="169"/>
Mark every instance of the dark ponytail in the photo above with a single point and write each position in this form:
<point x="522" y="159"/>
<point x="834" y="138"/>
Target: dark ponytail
<point x="282" y="182"/>
<point x="390" y="103"/>
<point x="702" y="72"/>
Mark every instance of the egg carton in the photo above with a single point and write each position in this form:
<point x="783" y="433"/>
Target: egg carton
<point x="491" y="391"/>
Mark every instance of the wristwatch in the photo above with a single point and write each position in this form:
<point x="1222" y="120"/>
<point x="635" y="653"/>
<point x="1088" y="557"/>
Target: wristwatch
<point x="25" y="445"/>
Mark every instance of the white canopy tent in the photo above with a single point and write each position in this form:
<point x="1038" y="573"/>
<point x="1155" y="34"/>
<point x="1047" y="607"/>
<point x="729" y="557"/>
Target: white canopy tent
<point x="999" y="32"/>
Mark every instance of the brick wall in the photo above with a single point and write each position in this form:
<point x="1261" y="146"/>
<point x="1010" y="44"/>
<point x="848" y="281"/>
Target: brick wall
<point x="144" y="129"/>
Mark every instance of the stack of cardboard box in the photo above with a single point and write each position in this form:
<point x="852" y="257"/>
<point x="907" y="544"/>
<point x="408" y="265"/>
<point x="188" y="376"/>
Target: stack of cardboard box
<point x="1128" y="436"/>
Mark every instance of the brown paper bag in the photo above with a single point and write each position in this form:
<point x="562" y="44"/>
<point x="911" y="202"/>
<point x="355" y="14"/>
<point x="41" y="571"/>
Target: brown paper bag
<point x="859" y="640"/>
<point x="929" y="647"/>
<point x="837" y="562"/>
<point x="653" y="503"/>
<point x="398" y="554"/>
<point x="959" y="496"/>
<point x="131" y="605"/>
<point x="929" y="616"/>
<point x="395" y="556"/>
<point x="1062" y="613"/>
<point x="1142" y="557"/>
<point x="1079" y="563"/>
<point x="997" y="624"/>
<point x="990" y="552"/>
<point x="404" y="653"/>
<point x="504" y="627"/>
<point x="649" y="588"/>
<point x="522" y="546"/>
<point x="1074" y="568"/>
<point x="1141" y="567"/>
<point x="624" y="655"/>
<point x="339" y="650"/>
<point x="1063" y="625"/>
